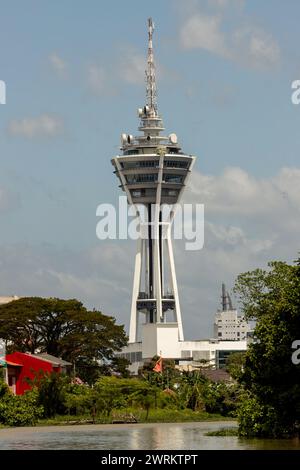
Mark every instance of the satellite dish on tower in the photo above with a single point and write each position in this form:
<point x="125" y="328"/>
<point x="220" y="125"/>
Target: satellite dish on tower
<point x="173" y="138"/>
<point x="123" y="139"/>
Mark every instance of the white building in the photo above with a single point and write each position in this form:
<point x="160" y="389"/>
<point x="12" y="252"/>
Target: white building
<point x="228" y="324"/>
<point x="7" y="299"/>
<point x="162" y="340"/>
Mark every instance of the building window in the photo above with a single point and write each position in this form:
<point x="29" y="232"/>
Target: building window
<point x="185" y="354"/>
<point x="172" y="178"/>
<point x="175" y="164"/>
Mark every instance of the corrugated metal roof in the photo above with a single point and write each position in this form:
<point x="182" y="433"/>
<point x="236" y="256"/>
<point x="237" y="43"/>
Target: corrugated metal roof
<point x="54" y="360"/>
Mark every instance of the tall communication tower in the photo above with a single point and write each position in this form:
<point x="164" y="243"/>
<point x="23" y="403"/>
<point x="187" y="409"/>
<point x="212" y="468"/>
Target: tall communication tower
<point x="153" y="171"/>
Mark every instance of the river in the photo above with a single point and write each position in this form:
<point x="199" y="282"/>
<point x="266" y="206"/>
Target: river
<point x="134" y="436"/>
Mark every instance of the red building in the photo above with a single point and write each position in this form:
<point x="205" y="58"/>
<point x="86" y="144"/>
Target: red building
<point x="24" y="366"/>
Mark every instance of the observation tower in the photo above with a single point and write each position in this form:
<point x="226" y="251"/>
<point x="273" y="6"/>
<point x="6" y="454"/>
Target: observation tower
<point x="153" y="172"/>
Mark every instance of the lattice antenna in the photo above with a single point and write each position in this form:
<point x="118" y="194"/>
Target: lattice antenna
<point x="150" y="72"/>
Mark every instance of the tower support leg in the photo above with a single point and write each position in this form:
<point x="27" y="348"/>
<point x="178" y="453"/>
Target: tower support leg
<point x="174" y="286"/>
<point x="135" y="292"/>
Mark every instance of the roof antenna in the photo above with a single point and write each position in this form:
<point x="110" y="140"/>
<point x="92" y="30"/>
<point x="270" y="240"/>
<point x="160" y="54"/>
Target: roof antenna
<point x="150" y="73"/>
<point x="229" y="301"/>
<point x="224" y="298"/>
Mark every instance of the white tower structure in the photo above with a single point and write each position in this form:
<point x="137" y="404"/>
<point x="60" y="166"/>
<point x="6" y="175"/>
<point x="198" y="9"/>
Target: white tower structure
<point x="153" y="172"/>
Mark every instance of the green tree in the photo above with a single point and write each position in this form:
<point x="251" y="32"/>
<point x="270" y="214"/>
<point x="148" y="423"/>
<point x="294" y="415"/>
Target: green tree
<point x="235" y="364"/>
<point x="271" y="298"/>
<point x="221" y="398"/>
<point x="51" y="389"/>
<point x="191" y="390"/>
<point x="144" y="395"/>
<point x="64" y="328"/>
<point x="116" y="392"/>
<point x="79" y="399"/>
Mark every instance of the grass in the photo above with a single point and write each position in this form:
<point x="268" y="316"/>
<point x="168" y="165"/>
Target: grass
<point x="223" y="432"/>
<point x="178" y="416"/>
<point x="65" y="420"/>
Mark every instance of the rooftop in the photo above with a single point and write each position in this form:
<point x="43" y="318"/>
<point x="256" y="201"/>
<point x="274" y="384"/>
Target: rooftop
<point x="54" y="360"/>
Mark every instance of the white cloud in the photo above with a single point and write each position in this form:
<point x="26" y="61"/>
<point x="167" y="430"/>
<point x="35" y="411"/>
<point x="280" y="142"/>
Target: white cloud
<point x="100" y="276"/>
<point x="247" y="45"/>
<point x="132" y="66"/>
<point x="234" y="239"/>
<point x="128" y="68"/>
<point x="221" y="4"/>
<point x="204" y="32"/>
<point x="45" y="125"/>
<point x="97" y="79"/>
<point x="58" y="64"/>
<point x="237" y="192"/>
<point x="255" y="47"/>
<point x="230" y="235"/>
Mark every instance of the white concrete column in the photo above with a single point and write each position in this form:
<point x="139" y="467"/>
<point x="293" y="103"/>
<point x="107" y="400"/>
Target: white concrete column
<point x="174" y="285"/>
<point x="157" y="273"/>
<point x="135" y="293"/>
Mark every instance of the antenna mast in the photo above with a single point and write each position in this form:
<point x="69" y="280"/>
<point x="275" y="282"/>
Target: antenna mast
<point x="224" y="298"/>
<point x="150" y="72"/>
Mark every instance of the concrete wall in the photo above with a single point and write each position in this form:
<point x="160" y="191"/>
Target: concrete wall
<point x="160" y="339"/>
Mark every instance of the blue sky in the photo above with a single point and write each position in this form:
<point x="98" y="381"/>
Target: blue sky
<point x="74" y="77"/>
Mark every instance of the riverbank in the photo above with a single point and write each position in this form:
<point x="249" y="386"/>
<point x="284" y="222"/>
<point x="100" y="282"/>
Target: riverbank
<point x="154" y="416"/>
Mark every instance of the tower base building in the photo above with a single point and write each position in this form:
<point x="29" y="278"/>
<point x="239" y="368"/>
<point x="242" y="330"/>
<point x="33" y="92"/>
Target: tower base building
<point x="188" y="355"/>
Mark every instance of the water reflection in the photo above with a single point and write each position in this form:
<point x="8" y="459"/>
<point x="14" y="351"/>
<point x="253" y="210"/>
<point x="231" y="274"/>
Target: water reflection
<point x="134" y="436"/>
<point x="159" y="437"/>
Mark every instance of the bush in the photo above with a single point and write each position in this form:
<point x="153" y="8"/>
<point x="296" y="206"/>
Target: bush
<point x="259" y="420"/>
<point x="221" y="398"/>
<point x="3" y="388"/>
<point x="20" y="410"/>
<point x="51" y="393"/>
<point x="79" y="399"/>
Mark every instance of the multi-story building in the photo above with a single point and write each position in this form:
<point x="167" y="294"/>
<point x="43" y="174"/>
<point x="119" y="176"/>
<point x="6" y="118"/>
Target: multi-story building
<point x="228" y="324"/>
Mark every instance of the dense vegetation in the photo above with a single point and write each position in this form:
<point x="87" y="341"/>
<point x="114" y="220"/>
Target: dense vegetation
<point x="270" y="406"/>
<point x="19" y="410"/>
<point x="190" y="396"/>
<point x="89" y="340"/>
